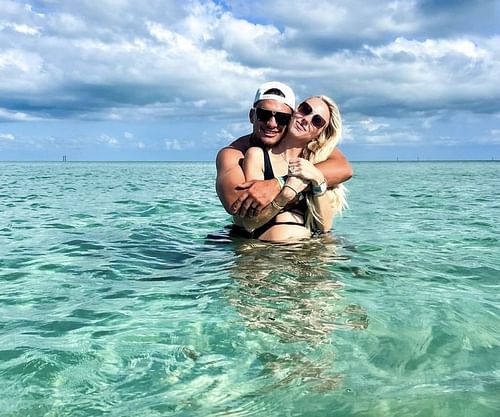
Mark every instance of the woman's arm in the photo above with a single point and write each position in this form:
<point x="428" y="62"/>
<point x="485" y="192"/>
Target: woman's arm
<point x="293" y="186"/>
<point x="232" y="189"/>
<point x="253" y="164"/>
<point x="253" y="167"/>
<point x="322" y="206"/>
<point x="324" y="211"/>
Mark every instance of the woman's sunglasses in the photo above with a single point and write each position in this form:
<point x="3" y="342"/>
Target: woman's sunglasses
<point x="282" y="119"/>
<point x="305" y="109"/>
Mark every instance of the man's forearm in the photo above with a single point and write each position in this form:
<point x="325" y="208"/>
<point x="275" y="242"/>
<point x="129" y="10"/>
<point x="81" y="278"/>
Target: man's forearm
<point x="257" y="195"/>
<point x="250" y="223"/>
<point x="335" y="175"/>
<point x="336" y="169"/>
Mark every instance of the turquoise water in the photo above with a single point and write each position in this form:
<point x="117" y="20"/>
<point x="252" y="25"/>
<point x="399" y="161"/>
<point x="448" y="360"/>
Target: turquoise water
<point x="114" y="302"/>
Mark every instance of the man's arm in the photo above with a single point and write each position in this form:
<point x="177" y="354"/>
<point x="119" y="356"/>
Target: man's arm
<point x="229" y="175"/>
<point x="336" y="169"/>
<point x="285" y="196"/>
<point x="230" y="184"/>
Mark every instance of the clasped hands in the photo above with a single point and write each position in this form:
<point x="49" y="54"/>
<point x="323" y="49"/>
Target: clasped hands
<point x="257" y="194"/>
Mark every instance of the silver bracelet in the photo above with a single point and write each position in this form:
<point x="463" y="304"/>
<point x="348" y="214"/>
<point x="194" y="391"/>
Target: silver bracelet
<point x="276" y="205"/>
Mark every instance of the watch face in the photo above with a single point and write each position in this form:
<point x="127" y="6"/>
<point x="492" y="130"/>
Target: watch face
<point x="320" y="189"/>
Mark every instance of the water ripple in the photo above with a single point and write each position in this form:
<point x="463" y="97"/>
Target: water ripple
<point x="121" y="290"/>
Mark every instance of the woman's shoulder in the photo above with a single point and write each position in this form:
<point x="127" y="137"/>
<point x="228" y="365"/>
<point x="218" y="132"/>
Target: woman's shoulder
<point x="254" y="151"/>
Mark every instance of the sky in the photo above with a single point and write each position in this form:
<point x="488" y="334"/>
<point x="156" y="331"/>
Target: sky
<point x="174" y="80"/>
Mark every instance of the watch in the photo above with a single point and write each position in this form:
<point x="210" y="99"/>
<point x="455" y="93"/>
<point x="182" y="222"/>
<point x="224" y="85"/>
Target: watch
<point x="319" y="189"/>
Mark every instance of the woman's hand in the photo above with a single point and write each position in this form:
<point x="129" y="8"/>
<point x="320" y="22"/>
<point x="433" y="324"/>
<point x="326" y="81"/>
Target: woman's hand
<point x="293" y="186"/>
<point x="302" y="168"/>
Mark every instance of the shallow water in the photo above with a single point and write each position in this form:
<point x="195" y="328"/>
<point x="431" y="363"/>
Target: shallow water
<point x="115" y="302"/>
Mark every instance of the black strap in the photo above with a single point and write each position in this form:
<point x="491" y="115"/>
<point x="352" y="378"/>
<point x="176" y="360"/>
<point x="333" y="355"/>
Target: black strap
<point x="268" y="168"/>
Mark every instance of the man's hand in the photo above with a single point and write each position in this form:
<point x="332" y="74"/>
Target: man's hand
<point x="254" y="196"/>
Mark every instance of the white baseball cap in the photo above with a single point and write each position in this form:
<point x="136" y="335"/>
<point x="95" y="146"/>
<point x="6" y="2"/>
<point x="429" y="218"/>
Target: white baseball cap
<point x="263" y="93"/>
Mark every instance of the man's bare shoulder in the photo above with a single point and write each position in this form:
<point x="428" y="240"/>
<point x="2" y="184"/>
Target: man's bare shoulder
<point x="241" y="144"/>
<point x="232" y="154"/>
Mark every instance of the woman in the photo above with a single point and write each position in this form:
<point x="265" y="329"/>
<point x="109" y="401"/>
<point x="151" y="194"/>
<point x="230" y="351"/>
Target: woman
<point x="313" y="132"/>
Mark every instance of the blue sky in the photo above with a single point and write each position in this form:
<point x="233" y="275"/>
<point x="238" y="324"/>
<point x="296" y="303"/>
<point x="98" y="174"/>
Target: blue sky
<point x="172" y="80"/>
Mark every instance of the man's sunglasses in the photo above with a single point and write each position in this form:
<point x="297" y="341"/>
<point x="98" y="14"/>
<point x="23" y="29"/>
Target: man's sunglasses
<point x="282" y="119"/>
<point x="305" y="109"/>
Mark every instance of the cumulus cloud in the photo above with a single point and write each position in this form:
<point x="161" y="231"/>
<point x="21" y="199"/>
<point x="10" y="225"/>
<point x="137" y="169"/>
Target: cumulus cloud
<point x="372" y="126"/>
<point x="20" y="28"/>
<point x="383" y="62"/>
<point x="178" y="144"/>
<point x="109" y="140"/>
<point x="67" y="60"/>
<point x="332" y="25"/>
<point x="327" y="26"/>
<point x="10" y="116"/>
<point x="230" y="132"/>
<point x="7" y="136"/>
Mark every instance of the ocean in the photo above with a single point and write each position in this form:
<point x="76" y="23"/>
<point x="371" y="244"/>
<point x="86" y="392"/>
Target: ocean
<point x="122" y="295"/>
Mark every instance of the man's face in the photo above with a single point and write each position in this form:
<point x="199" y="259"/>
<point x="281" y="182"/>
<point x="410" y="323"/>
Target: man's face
<point x="269" y="131"/>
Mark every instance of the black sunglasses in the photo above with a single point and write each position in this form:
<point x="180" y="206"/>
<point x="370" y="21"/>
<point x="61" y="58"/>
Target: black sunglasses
<point x="282" y="119"/>
<point x="305" y="109"/>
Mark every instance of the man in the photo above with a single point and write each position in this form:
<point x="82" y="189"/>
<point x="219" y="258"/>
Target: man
<point x="273" y="106"/>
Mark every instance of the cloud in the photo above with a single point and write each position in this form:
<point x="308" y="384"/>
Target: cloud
<point x="132" y="141"/>
<point x="7" y="136"/>
<point x="233" y="131"/>
<point x="109" y="140"/>
<point x="388" y="63"/>
<point x="381" y="132"/>
<point x="449" y="17"/>
<point x="178" y="145"/>
<point x="411" y="50"/>
<point x="490" y="137"/>
<point x="328" y="26"/>
<point x="331" y="26"/>
<point x="20" y="28"/>
<point x="125" y="61"/>
<point x="9" y="116"/>
<point x="372" y="126"/>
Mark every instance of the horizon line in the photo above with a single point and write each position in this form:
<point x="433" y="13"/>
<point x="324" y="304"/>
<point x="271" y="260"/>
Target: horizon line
<point x="65" y="161"/>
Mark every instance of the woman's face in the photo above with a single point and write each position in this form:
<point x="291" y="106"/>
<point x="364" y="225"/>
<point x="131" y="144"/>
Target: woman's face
<point x="310" y="119"/>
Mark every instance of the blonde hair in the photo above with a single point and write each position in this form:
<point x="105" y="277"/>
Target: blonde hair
<point x="318" y="150"/>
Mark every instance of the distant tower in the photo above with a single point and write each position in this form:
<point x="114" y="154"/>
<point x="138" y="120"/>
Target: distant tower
<point x="64" y="158"/>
